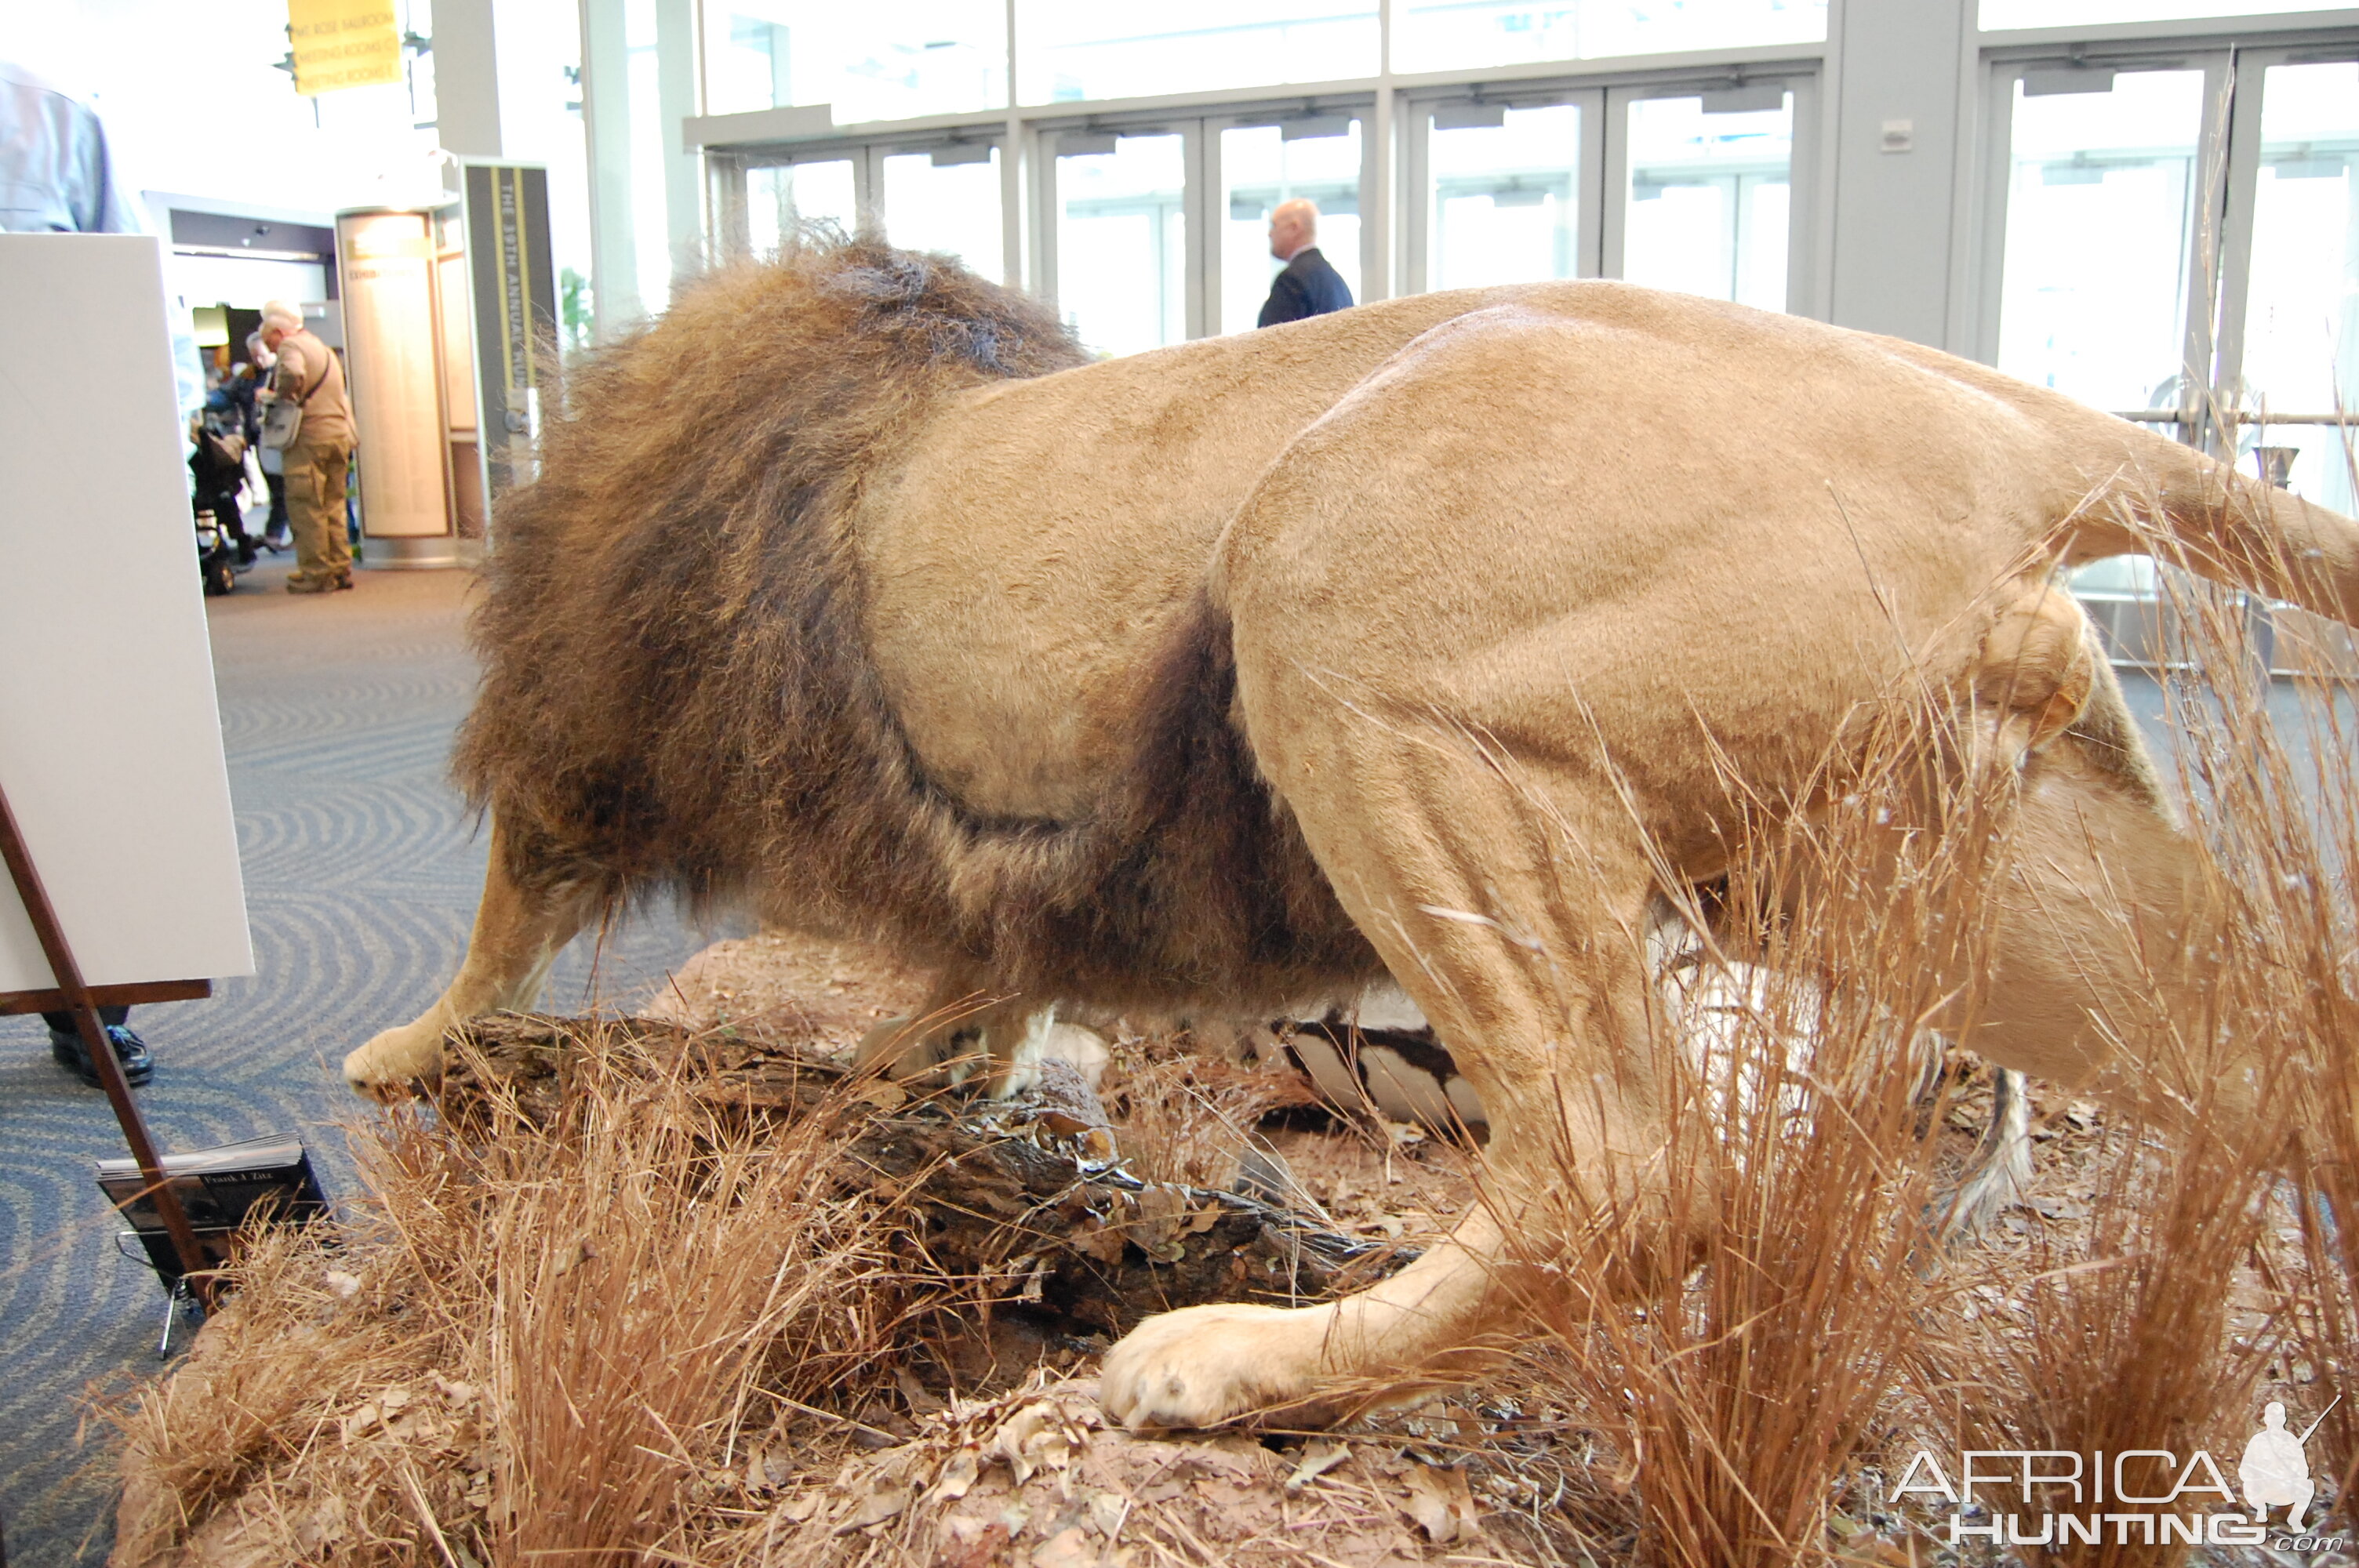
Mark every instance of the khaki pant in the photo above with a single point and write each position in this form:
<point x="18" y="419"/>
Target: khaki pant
<point x="315" y="510"/>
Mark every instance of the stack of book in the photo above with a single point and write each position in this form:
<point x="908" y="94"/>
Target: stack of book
<point x="261" y="1180"/>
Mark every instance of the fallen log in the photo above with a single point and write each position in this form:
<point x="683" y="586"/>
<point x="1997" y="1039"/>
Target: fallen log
<point x="1026" y="1203"/>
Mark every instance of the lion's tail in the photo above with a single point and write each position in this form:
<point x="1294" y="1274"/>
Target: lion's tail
<point x="2122" y="483"/>
<point x="2231" y="527"/>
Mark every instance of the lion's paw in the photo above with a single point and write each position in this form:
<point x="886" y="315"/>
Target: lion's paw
<point x="391" y="1065"/>
<point x="1207" y="1366"/>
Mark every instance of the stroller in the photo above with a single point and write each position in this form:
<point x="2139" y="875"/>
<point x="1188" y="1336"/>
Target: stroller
<point x="216" y="553"/>
<point x="217" y="464"/>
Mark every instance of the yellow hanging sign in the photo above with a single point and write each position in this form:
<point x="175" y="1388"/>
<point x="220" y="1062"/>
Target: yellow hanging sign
<point x="343" y="43"/>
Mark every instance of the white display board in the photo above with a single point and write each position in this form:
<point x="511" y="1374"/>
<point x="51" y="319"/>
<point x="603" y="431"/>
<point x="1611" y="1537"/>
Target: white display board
<point x="110" y="736"/>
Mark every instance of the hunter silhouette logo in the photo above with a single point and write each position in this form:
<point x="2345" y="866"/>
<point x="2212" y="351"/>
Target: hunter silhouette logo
<point x="2276" y="1468"/>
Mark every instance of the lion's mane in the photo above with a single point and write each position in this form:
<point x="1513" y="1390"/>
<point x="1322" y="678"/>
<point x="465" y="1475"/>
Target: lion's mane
<point x="677" y="696"/>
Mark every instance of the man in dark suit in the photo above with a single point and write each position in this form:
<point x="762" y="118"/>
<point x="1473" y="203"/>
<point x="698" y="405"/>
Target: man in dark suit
<point x="1308" y="286"/>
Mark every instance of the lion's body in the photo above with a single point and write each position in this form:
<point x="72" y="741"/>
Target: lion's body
<point x="852" y="594"/>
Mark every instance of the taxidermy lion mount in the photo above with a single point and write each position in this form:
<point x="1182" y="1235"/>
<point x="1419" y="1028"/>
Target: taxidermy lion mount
<point x="853" y="594"/>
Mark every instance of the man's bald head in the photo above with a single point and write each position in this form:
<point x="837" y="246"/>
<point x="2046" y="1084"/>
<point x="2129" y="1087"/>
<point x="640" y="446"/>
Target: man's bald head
<point x="1293" y="227"/>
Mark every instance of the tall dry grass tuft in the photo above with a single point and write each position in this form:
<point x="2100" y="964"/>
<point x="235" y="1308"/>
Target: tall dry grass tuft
<point x="538" y="1342"/>
<point x="1796" y="1153"/>
<point x="2117" y="1339"/>
<point x="2149" y="1326"/>
<point x="1748" y="1304"/>
<point x="641" y="1284"/>
<point x="2271" y="771"/>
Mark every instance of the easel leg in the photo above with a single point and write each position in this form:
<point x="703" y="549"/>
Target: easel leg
<point x="60" y="958"/>
<point x="172" y="1303"/>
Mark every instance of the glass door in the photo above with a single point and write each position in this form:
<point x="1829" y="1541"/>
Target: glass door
<point x="780" y="198"/>
<point x="2289" y="337"/>
<point x="1318" y="158"/>
<point x="946" y="198"/>
<point x="2101" y="290"/>
<point x="1506" y="192"/>
<point x="1118" y="266"/>
<point x="1705" y="184"/>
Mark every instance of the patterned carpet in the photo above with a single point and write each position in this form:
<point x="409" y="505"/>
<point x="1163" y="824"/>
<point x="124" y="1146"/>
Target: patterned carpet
<point x="362" y="870"/>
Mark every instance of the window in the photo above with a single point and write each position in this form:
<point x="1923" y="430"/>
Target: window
<point x="1075" y="49"/>
<point x="783" y="196"/>
<point x="875" y="62"/>
<point x="1317" y="157"/>
<point x="2180" y="238"/>
<point x="1456" y="35"/>
<point x="1122" y="239"/>
<point x="1710" y="192"/>
<point x="1999" y="14"/>
<point x="946" y="198"/>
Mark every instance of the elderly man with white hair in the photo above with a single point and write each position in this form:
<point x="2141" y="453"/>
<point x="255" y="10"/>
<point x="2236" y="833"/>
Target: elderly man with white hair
<point x="315" y="453"/>
<point x="1310" y="285"/>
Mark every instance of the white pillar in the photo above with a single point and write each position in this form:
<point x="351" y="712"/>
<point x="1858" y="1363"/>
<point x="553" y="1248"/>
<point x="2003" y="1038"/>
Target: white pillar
<point x="678" y="102"/>
<point x="1897" y="112"/>
<point x="647" y="187"/>
<point x="607" y="127"/>
<point x="1381" y="175"/>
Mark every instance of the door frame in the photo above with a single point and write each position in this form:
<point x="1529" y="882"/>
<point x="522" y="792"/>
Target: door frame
<point x="1046" y="211"/>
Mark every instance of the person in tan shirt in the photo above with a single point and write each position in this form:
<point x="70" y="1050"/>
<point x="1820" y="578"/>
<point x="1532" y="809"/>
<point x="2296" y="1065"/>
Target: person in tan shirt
<point x="318" y="462"/>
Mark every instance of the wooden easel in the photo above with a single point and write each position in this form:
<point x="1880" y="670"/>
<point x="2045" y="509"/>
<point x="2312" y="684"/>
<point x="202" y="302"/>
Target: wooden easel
<point x="83" y="1001"/>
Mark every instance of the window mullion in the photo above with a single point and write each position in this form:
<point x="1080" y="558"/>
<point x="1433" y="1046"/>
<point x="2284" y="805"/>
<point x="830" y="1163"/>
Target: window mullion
<point x="1614" y="184"/>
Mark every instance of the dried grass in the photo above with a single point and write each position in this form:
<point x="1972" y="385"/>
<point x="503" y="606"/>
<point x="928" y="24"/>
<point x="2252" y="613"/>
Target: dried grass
<point x="1752" y="1370"/>
<point x="533" y="1343"/>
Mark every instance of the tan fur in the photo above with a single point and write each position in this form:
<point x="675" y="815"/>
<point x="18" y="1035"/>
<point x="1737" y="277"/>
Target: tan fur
<point x="851" y="596"/>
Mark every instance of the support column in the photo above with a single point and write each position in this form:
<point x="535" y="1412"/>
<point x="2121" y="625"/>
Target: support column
<point x="466" y="78"/>
<point x="1896" y="114"/>
<point x="1014" y="181"/>
<point x="607" y="127"/>
<point x="646" y="185"/>
<point x="676" y="102"/>
<point x="1381" y="176"/>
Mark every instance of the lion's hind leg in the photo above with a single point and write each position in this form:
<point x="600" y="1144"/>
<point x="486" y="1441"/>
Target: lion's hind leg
<point x="965" y="1035"/>
<point x="1525" y="944"/>
<point x="522" y="922"/>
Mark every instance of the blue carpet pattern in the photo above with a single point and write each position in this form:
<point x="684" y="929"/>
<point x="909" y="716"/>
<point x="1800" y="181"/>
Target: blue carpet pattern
<point x="362" y="870"/>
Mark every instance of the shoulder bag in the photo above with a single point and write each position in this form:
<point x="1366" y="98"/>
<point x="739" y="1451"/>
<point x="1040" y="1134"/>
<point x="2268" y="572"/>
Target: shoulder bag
<point x="283" y="421"/>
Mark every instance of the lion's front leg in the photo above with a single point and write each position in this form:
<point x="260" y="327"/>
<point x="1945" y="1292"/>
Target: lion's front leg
<point x="1428" y="1325"/>
<point x="520" y="928"/>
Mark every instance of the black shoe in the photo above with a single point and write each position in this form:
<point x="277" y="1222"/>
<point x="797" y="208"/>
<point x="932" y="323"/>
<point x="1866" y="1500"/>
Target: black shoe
<point x="278" y="544"/>
<point x="245" y="556"/>
<point x="138" y="1065"/>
